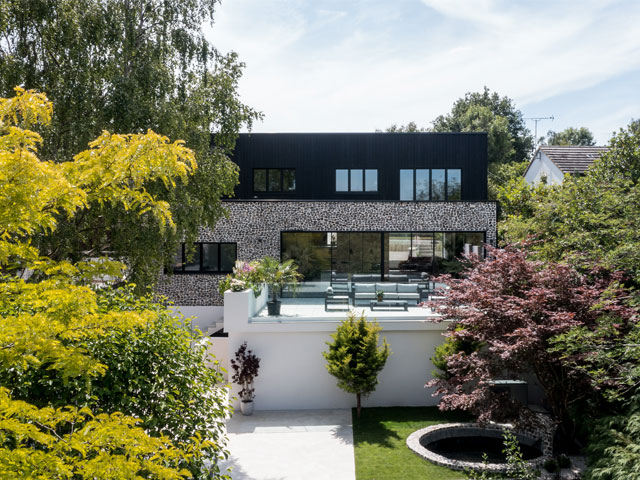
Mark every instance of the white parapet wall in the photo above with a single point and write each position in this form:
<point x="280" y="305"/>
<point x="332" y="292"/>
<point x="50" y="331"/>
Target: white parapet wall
<point x="292" y="371"/>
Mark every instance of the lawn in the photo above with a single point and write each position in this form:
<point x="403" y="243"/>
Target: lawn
<point x="380" y="449"/>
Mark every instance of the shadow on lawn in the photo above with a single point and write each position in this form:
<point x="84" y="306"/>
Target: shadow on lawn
<point x="373" y="425"/>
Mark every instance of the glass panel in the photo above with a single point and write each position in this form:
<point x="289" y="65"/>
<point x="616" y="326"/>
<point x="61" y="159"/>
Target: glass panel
<point x="228" y="256"/>
<point x="260" y="180"/>
<point x="397" y="248"/>
<point x="437" y="185"/>
<point x="356" y="180"/>
<point x="422" y="185"/>
<point x="177" y="265"/>
<point x="371" y="180"/>
<point x="421" y="257"/>
<point x="288" y="180"/>
<point x="274" y="180"/>
<point x="454" y="184"/>
<point x="209" y="257"/>
<point x="342" y="180"/>
<point x="310" y="251"/>
<point x="406" y="184"/>
<point x="192" y="263"/>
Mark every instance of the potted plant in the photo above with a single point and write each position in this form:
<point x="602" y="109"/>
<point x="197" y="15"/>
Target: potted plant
<point x="245" y="369"/>
<point x="379" y="295"/>
<point x="278" y="275"/>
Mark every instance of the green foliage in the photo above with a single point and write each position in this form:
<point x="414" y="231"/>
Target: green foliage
<point x="278" y="275"/>
<point x="518" y="467"/>
<point x="593" y="218"/>
<point x="79" y="363"/>
<point x="245" y="275"/>
<point x="129" y="66"/>
<point x="451" y="345"/>
<point x="410" y="127"/>
<point x="614" y="450"/>
<point x="354" y="357"/>
<point x="571" y="136"/>
<point x="508" y="137"/>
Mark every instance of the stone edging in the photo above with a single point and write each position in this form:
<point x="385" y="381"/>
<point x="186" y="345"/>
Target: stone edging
<point x="413" y="442"/>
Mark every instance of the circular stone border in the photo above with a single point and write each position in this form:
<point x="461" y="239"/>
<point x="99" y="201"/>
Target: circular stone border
<point x="446" y="430"/>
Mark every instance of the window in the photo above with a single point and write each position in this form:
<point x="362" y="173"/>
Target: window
<point x="274" y="180"/>
<point x="356" y="180"/>
<point x="206" y="258"/>
<point x="430" y="185"/>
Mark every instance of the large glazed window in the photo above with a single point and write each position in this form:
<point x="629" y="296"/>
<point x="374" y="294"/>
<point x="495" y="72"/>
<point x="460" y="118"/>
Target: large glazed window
<point x="206" y="257"/>
<point x="437" y="185"/>
<point x="392" y="256"/>
<point x="342" y="180"/>
<point x="274" y="180"/>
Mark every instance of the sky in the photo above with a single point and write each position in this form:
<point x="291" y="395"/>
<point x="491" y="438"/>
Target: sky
<point x="362" y="65"/>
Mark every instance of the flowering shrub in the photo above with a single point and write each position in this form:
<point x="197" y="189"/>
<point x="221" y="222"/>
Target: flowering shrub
<point x="245" y="275"/>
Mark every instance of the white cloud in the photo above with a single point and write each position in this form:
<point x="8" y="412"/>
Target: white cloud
<point x="357" y="66"/>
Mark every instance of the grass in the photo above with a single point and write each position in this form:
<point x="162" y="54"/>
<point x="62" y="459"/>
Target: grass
<point x="381" y="452"/>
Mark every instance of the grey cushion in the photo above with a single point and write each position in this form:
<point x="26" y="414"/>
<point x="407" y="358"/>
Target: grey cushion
<point x="407" y="288"/>
<point x="386" y="287"/>
<point x="408" y="296"/>
<point x="365" y="288"/>
<point x="398" y="278"/>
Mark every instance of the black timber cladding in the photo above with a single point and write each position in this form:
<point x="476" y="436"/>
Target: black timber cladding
<point x="316" y="156"/>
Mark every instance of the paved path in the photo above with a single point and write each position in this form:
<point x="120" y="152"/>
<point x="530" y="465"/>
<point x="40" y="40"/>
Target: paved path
<point x="291" y="445"/>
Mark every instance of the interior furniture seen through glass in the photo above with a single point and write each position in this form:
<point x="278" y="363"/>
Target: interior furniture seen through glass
<point x="327" y="257"/>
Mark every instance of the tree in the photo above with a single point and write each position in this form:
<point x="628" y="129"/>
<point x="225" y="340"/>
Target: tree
<point x="514" y="308"/>
<point x="593" y="218"/>
<point x="571" y="136"/>
<point x="410" y="127"/>
<point x="59" y="336"/>
<point x="129" y="66"/>
<point x="508" y="137"/>
<point x="354" y="357"/>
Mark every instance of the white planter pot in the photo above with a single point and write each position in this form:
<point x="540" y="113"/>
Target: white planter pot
<point x="246" y="407"/>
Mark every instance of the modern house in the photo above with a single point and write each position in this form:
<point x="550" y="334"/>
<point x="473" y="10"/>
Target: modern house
<point x="388" y="207"/>
<point x="550" y="163"/>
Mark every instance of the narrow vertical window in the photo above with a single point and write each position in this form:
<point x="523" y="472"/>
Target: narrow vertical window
<point x="371" y="180"/>
<point x="192" y="257"/>
<point x="275" y="180"/>
<point x="454" y="184"/>
<point x="210" y="257"/>
<point x="342" y="180"/>
<point x="356" y="180"/>
<point x="437" y="185"/>
<point x="260" y="180"/>
<point x="422" y="185"/>
<point x="406" y="184"/>
<point x="288" y="180"/>
<point x="228" y="256"/>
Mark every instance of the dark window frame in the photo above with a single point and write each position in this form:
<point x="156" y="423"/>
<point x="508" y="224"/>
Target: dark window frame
<point x="200" y="271"/>
<point x="364" y="191"/>
<point x="446" y="185"/>
<point x="281" y="172"/>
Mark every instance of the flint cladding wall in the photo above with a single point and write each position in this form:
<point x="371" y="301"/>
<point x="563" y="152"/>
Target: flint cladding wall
<point x="256" y="226"/>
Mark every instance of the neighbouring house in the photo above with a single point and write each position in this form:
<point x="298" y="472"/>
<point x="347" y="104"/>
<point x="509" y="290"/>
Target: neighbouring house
<point x="376" y="208"/>
<point x="550" y="163"/>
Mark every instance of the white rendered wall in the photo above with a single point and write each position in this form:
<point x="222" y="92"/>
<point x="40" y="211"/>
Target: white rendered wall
<point x="543" y="167"/>
<point x="292" y="369"/>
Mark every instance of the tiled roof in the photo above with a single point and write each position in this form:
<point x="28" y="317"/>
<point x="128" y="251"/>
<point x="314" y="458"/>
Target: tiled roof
<point x="572" y="159"/>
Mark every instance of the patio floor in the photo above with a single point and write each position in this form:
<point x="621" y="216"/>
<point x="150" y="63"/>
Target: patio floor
<point x="312" y="309"/>
<point x="291" y="445"/>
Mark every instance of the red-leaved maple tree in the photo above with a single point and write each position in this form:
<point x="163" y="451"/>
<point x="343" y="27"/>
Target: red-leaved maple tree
<point x="511" y="307"/>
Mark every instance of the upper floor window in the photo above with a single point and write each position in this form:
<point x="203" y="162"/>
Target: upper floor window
<point x="436" y="184"/>
<point x="274" y="180"/>
<point x="356" y="180"/>
<point x="206" y="258"/>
